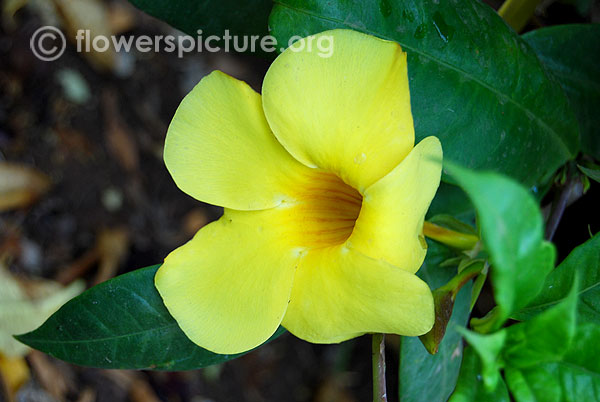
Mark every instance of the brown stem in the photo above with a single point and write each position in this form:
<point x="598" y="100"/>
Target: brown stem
<point x="378" y="359"/>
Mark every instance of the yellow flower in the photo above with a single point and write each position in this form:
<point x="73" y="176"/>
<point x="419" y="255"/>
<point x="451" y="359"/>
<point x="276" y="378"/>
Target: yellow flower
<point x="324" y="195"/>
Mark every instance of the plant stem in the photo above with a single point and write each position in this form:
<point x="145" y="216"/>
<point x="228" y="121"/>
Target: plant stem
<point x="378" y="358"/>
<point x="568" y="194"/>
<point x="452" y="238"/>
<point x="517" y="12"/>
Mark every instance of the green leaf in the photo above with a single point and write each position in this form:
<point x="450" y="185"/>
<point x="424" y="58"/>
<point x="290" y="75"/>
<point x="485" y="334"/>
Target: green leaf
<point x="451" y="200"/>
<point x="584" y="261"/>
<point x="545" y="359"/>
<point x="545" y="338"/>
<point x="593" y="174"/>
<point x="450" y="222"/>
<point x="579" y="370"/>
<point x="213" y="17"/>
<point x="576" y="377"/>
<point x="489" y="348"/>
<point x="474" y="82"/>
<point x="572" y="54"/>
<point x="532" y="384"/>
<point x="426" y="377"/>
<point x="512" y="232"/>
<point x="470" y="385"/>
<point x="536" y="350"/>
<point x="121" y="324"/>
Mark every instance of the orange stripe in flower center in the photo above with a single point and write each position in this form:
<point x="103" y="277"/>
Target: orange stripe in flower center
<point x="325" y="211"/>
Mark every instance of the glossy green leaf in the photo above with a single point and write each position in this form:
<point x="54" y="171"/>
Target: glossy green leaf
<point x="213" y="17"/>
<point x="426" y="377"/>
<point x="545" y="338"/>
<point x="572" y="54"/>
<point x="451" y="200"/>
<point x="121" y="324"/>
<point x="512" y="232"/>
<point x="547" y="358"/>
<point x="532" y="384"/>
<point x="450" y="222"/>
<point x="470" y="386"/>
<point x="474" y="82"/>
<point x="489" y="349"/>
<point x="576" y="377"/>
<point x="584" y="261"/>
<point x="579" y="369"/>
<point x="593" y="174"/>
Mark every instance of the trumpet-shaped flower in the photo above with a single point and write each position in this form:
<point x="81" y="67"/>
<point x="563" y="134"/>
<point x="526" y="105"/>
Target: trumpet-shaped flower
<point x="324" y="194"/>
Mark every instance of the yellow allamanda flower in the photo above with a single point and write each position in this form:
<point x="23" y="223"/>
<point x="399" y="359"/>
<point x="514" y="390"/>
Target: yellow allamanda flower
<point x="324" y="193"/>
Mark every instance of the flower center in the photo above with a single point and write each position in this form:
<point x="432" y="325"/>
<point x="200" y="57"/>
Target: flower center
<point x="327" y="211"/>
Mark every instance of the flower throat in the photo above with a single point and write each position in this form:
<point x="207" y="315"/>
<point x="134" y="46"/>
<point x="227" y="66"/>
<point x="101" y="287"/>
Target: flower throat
<point x="327" y="211"/>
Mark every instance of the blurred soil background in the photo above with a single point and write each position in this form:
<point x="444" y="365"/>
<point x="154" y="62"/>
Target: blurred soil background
<point x="85" y="196"/>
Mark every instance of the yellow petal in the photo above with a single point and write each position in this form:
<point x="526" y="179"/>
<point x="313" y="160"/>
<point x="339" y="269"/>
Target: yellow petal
<point x="228" y="288"/>
<point x="339" y="293"/>
<point x="390" y="224"/>
<point x="348" y="113"/>
<point x="220" y="149"/>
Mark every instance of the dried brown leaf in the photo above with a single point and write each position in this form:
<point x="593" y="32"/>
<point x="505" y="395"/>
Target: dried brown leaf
<point x="25" y="305"/>
<point x="78" y="267"/>
<point x="75" y="143"/>
<point x="135" y="383"/>
<point x="49" y="376"/>
<point x="90" y="15"/>
<point x="121" y="17"/>
<point x="333" y="389"/>
<point x="119" y="139"/>
<point x="193" y="221"/>
<point x="113" y="246"/>
<point x="87" y="395"/>
<point x="20" y="186"/>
